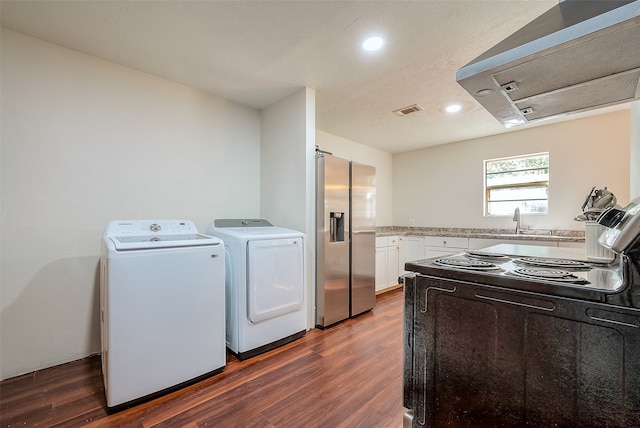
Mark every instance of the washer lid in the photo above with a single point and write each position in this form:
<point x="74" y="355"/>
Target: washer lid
<point x="124" y="243"/>
<point x="241" y="222"/>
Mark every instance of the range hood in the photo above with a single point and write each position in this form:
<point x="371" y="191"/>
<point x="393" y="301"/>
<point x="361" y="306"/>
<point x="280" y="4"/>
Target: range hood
<point x="577" y="56"/>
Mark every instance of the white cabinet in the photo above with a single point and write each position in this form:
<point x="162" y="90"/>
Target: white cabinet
<point x="410" y="248"/>
<point x="381" y="267"/>
<point x="381" y="262"/>
<point x="439" y="246"/>
<point x="392" y="265"/>
<point x="386" y="262"/>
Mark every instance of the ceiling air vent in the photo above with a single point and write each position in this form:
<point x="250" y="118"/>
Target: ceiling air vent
<point x="407" y="110"/>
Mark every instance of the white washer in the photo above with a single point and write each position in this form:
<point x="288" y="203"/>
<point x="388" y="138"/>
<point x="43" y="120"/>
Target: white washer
<point x="162" y="308"/>
<point x="265" y="284"/>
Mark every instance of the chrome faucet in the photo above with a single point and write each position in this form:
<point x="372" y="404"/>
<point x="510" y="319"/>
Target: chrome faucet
<point x="516" y="218"/>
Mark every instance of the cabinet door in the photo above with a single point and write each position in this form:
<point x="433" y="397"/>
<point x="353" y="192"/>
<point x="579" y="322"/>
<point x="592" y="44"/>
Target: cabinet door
<point x="381" y="268"/>
<point x="392" y="266"/>
<point x="411" y="248"/>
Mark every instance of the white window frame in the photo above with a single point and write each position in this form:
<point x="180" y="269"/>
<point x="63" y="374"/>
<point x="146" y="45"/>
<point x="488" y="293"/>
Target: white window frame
<point x="520" y="203"/>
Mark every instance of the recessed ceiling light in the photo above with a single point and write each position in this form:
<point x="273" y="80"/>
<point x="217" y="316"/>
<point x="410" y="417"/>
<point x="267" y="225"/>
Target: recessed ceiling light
<point x="372" y="43"/>
<point x="453" y="108"/>
<point x="484" y="92"/>
<point x="511" y="121"/>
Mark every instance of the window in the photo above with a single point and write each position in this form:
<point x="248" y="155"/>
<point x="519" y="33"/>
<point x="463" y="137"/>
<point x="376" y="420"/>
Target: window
<point x="517" y="182"/>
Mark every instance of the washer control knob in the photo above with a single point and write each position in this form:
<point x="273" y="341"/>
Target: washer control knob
<point x="155" y="227"/>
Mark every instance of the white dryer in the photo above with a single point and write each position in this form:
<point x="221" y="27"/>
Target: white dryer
<point x="265" y="284"/>
<point x="162" y="308"/>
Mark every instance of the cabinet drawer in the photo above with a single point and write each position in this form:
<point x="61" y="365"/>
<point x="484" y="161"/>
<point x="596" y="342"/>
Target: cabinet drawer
<point x="386" y="241"/>
<point x="381" y="241"/>
<point x="446" y="242"/>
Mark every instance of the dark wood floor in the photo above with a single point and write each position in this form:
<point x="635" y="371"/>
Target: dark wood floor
<point x="349" y="375"/>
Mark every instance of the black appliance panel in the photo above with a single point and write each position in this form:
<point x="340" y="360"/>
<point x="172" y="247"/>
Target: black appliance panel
<point x="480" y="355"/>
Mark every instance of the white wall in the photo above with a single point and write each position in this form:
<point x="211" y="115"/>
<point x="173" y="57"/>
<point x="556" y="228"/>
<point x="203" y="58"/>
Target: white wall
<point x="85" y="141"/>
<point x="287" y="177"/>
<point x="284" y="158"/>
<point x="442" y="186"/>
<point x="383" y="161"/>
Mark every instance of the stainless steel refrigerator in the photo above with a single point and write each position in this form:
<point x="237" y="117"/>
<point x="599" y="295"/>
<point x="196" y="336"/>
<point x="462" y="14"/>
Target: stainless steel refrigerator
<point x="346" y="239"/>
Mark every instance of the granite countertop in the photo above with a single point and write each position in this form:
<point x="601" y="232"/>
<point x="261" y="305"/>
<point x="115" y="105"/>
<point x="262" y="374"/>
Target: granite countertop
<point x="504" y="234"/>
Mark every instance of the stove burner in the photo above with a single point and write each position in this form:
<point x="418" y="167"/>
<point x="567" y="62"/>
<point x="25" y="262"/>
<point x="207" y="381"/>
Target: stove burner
<point x="548" y="262"/>
<point x="549" y="275"/>
<point x="485" y="255"/>
<point x="466" y="264"/>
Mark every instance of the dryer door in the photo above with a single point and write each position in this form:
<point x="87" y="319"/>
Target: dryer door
<point x="275" y="277"/>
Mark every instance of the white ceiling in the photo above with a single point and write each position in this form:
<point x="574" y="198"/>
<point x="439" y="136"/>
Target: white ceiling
<point x="258" y="52"/>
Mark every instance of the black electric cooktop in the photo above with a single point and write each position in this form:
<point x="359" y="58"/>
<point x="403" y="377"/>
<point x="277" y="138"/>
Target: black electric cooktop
<point x="561" y="277"/>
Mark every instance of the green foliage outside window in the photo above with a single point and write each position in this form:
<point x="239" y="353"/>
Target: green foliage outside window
<point x="517" y="182"/>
